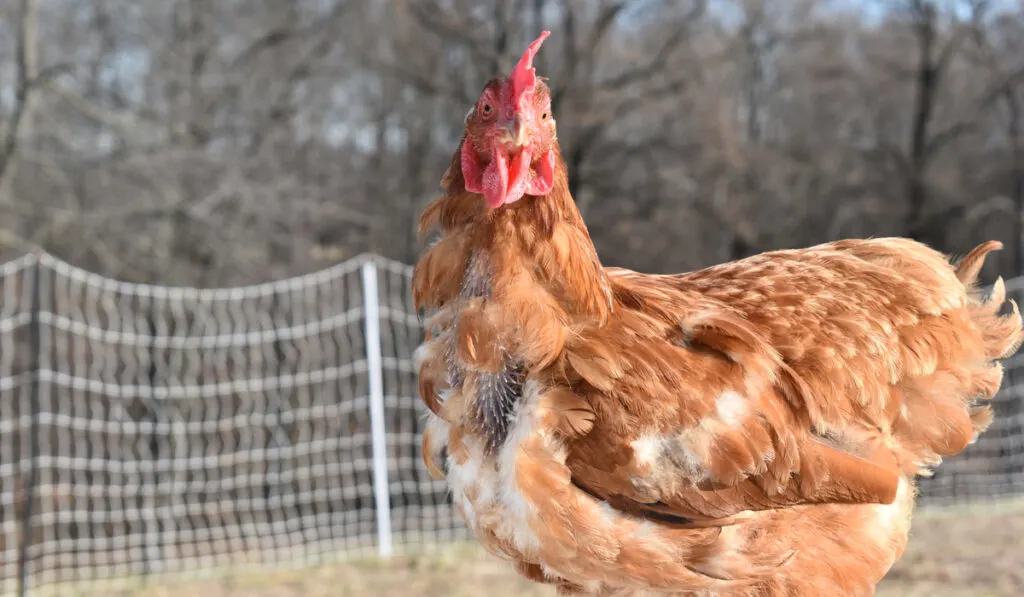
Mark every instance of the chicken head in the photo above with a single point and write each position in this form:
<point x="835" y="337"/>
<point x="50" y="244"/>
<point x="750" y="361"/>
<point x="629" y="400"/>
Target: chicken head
<point x="507" y="152"/>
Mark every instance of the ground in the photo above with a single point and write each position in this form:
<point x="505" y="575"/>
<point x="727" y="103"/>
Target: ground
<point x="951" y="554"/>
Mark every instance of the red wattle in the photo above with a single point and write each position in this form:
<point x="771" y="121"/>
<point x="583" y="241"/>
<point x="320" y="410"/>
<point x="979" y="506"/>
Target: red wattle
<point x="471" y="170"/>
<point x="518" y="176"/>
<point x="502" y="182"/>
<point x="544" y="180"/>
<point x="495" y="180"/>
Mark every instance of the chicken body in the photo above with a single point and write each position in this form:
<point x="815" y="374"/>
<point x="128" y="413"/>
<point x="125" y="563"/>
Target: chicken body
<point x="753" y="429"/>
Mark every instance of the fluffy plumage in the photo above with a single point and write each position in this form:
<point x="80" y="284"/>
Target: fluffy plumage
<point x="750" y="429"/>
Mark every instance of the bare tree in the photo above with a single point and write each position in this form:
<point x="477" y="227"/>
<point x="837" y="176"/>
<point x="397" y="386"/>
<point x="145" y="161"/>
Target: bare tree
<point x="26" y="80"/>
<point x="217" y="143"/>
<point x="1000" y="53"/>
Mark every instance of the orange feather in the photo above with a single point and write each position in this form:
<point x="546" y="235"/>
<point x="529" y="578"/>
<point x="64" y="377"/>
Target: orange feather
<point x="751" y="429"/>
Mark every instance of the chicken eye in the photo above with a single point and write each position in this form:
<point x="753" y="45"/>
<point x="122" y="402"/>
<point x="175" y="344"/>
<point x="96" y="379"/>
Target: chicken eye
<point x="544" y="116"/>
<point x="486" y="108"/>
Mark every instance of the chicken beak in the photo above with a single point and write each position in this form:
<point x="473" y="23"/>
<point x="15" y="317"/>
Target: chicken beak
<point x="516" y="131"/>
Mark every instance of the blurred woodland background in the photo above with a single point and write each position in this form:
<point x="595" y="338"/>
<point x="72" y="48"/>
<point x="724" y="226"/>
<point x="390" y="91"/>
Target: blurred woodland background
<point x="222" y="142"/>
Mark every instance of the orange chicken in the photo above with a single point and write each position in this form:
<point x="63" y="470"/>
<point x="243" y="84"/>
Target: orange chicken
<point x="753" y="429"/>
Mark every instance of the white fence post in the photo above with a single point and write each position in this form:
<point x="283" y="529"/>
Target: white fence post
<point x="381" y="491"/>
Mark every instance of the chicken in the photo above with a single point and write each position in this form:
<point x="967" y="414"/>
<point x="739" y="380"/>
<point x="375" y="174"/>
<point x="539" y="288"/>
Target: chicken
<point x="749" y="429"/>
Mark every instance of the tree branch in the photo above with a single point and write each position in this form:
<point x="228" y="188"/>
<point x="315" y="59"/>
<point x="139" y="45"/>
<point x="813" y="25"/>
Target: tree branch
<point x="27" y="74"/>
<point x="657" y="63"/>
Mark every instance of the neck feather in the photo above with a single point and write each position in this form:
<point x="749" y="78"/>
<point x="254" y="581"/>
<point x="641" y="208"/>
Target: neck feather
<point x="536" y="245"/>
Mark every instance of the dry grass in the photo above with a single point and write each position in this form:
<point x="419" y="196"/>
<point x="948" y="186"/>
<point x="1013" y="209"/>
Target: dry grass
<point x="952" y="554"/>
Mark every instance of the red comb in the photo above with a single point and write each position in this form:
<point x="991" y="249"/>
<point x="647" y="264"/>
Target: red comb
<point x="523" y="75"/>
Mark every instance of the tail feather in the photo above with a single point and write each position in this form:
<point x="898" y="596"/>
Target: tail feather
<point x="970" y="266"/>
<point x="947" y="410"/>
<point x="1002" y="335"/>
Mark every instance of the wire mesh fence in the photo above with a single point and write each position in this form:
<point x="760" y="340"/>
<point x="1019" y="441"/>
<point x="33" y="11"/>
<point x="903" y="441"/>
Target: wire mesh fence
<point x="148" y="430"/>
